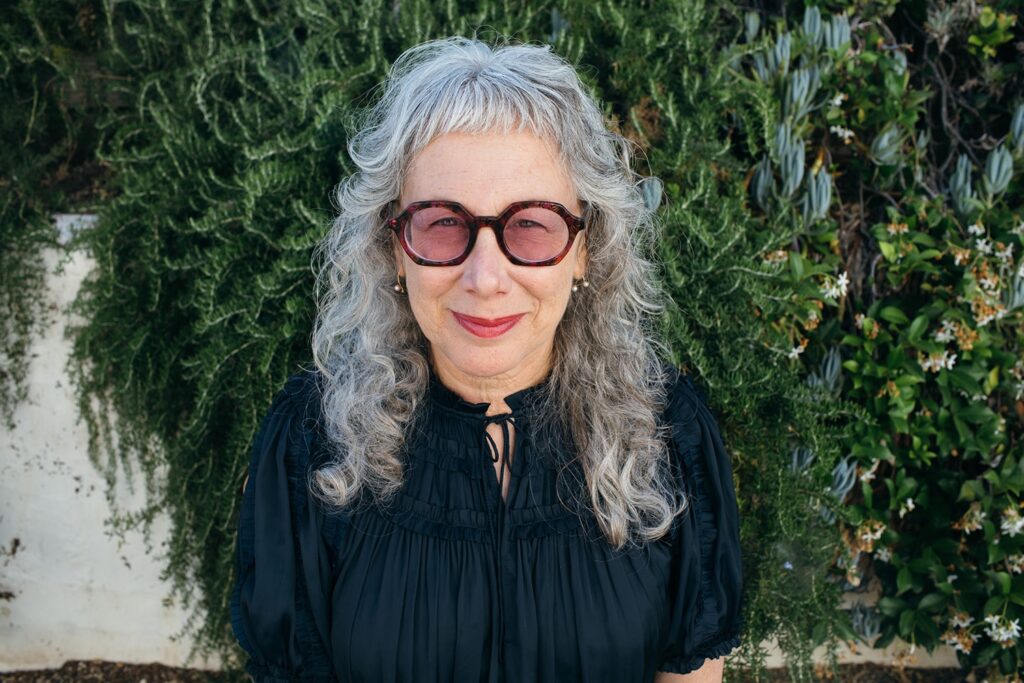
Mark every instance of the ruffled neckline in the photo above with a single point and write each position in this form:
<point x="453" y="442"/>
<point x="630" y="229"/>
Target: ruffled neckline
<point x="448" y="398"/>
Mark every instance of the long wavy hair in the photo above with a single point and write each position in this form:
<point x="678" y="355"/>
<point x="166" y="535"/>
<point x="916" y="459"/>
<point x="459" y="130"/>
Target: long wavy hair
<point x="607" y="379"/>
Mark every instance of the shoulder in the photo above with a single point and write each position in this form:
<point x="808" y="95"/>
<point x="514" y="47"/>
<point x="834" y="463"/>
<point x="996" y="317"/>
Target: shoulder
<point x="301" y="394"/>
<point x="684" y="396"/>
<point x="291" y="428"/>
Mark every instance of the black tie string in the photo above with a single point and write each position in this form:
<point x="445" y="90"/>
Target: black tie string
<point x="503" y="419"/>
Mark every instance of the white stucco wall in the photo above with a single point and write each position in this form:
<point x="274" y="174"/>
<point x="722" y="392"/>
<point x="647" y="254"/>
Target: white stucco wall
<point x="69" y="591"/>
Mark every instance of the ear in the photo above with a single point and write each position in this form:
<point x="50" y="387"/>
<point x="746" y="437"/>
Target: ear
<point x="399" y="256"/>
<point x="581" y="256"/>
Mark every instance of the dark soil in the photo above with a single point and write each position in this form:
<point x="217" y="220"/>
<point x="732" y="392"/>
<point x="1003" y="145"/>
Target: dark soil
<point x="116" y="672"/>
<point x="96" y="671"/>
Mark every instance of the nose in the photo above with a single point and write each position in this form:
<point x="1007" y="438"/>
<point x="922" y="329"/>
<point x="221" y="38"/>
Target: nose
<point x="485" y="269"/>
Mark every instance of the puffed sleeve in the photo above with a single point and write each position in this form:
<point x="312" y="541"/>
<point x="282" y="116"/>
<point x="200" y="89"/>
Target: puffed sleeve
<point x="706" y="580"/>
<point x="279" y="605"/>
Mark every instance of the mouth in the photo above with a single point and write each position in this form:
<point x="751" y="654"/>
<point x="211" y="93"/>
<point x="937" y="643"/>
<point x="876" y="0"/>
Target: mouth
<point x="487" y="328"/>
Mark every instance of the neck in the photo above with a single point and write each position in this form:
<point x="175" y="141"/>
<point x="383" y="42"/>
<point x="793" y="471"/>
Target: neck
<point x="491" y="389"/>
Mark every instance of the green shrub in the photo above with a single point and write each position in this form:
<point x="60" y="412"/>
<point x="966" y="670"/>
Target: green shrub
<point x="912" y="278"/>
<point x="45" y="123"/>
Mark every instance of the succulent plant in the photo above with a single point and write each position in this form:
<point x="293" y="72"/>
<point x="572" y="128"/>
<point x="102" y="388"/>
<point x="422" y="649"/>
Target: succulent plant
<point x="763" y="182"/>
<point x="844" y="476"/>
<point x="800" y="90"/>
<point x="818" y="197"/>
<point x="778" y="58"/>
<point x="1017" y="130"/>
<point x="901" y="62"/>
<point x="792" y="167"/>
<point x="651" y="189"/>
<point x="801" y="459"/>
<point x="751" y="24"/>
<point x="761" y="67"/>
<point x="1014" y="294"/>
<point x="960" y="189"/>
<point x="812" y="26"/>
<point x="998" y="170"/>
<point x="829" y="377"/>
<point x="885" y="148"/>
<point x="783" y="138"/>
<point x="866" y="621"/>
<point x="837" y="33"/>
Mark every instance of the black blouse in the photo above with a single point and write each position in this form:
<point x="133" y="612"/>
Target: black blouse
<point x="452" y="583"/>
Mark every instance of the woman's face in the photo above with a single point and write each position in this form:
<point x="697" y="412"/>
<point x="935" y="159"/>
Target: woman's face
<point x="485" y="173"/>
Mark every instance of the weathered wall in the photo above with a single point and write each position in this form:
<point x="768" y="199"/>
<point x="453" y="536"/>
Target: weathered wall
<point x="69" y="591"/>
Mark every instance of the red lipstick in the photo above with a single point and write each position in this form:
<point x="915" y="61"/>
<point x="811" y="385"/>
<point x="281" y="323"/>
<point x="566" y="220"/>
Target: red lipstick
<point x="487" y="327"/>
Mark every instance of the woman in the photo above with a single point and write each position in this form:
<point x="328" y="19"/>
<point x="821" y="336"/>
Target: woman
<point x="490" y="475"/>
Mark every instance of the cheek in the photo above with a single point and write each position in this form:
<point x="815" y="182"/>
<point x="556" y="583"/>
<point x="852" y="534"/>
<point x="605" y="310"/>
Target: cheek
<point x="552" y="295"/>
<point x="427" y="299"/>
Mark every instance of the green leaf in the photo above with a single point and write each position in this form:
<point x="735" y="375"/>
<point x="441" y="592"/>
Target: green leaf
<point x="907" y="623"/>
<point x="796" y="264"/>
<point x="903" y="581"/>
<point x="890" y="607"/>
<point x="932" y="602"/>
<point x="888" y="251"/>
<point x="894" y="315"/>
<point x="917" y="327"/>
<point x="987" y="654"/>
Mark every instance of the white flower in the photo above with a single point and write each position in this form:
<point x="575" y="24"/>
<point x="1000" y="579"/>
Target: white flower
<point x="947" y="332"/>
<point x="1002" y="630"/>
<point x="938" y="361"/>
<point x="1014" y="628"/>
<point x="838" y="289"/>
<point x="884" y="554"/>
<point x="795" y="352"/>
<point x="837" y="100"/>
<point x="845" y="133"/>
<point x="1012" y="523"/>
<point x="868" y="475"/>
<point x="952" y="577"/>
<point x="787" y="565"/>
<point x="844" y="280"/>
<point x="982" y="244"/>
<point x="962" y="620"/>
<point x="976" y="229"/>
<point x="1015" y="563"/>
<point x="1006" y="255"/>
<point x="906" y="507"/>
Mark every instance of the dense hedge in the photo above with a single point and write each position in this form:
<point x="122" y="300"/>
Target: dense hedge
<point x="906" y="294"/>
<point x="224" y="130"/>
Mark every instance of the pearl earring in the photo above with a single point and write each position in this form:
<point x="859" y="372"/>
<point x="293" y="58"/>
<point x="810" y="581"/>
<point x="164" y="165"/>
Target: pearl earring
<point x="584" y="281"/>
<point x="399" y="286"/>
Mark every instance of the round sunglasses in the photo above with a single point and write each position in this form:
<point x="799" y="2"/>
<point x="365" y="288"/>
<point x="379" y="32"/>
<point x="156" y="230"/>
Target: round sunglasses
<point x="530" y="233"/>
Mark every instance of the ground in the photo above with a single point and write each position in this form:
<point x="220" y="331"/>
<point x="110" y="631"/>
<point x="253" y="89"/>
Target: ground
<point x="117" y="672"/>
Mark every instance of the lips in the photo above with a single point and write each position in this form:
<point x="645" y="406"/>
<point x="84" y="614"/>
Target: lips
<point x="487" y="327"/>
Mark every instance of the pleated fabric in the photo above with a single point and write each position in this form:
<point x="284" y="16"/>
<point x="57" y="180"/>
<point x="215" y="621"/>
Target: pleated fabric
<point x="451" y="583"/>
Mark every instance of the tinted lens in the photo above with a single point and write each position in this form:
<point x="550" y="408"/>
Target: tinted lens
<point x="437" y="233"/>
<point x="536" y="234"/>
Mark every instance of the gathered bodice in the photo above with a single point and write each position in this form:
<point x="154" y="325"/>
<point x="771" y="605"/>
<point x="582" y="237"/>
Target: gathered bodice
<point x="451" y="581"/>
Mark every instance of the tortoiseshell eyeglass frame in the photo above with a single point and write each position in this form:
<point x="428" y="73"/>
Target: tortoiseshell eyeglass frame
<point x="497" y="223"/>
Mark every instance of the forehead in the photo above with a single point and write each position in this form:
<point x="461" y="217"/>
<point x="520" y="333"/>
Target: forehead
<point x="485" y="172"/>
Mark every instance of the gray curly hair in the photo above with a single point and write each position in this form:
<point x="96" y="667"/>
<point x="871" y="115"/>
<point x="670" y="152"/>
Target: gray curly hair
<point x="607" y="380"/>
